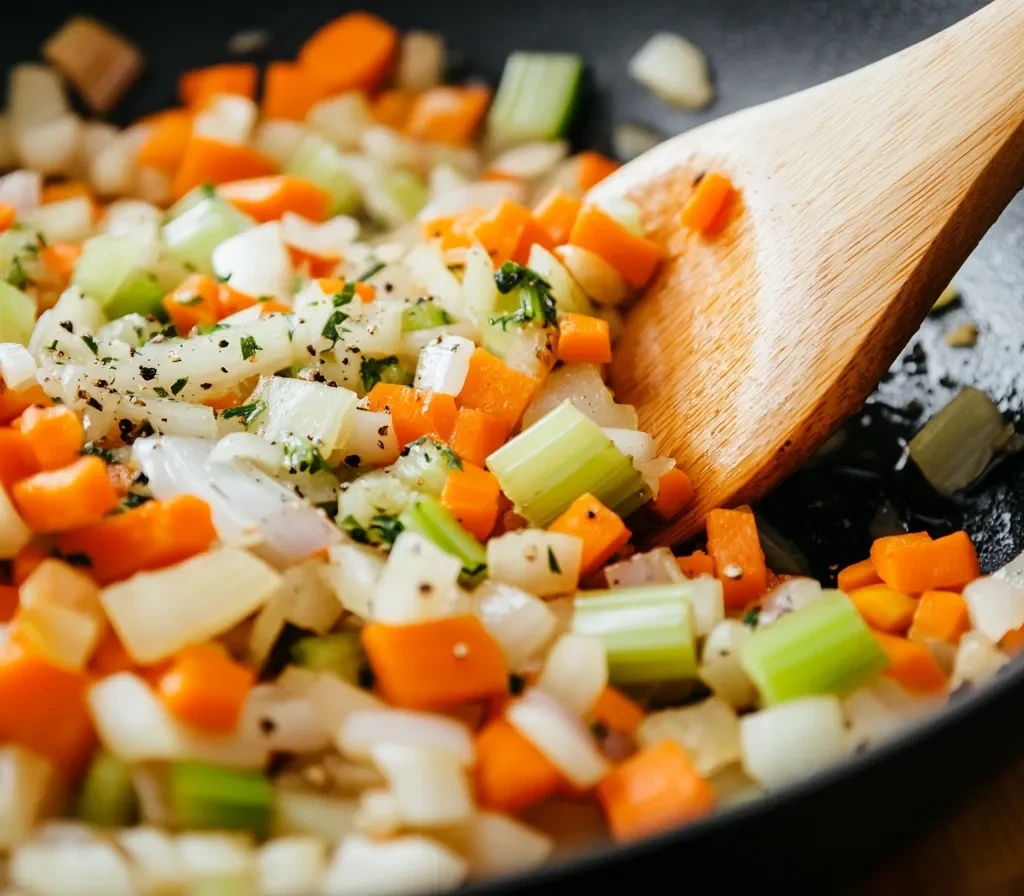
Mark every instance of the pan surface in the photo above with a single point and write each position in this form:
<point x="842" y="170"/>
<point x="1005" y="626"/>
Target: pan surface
<point x="828" y="829"/>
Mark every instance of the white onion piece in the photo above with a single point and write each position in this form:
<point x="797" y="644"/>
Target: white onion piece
<point x="14" y="534"/>
<point x="227" y="118"/>
<point x="342" y="119"/>
<point x="380" y="815"/>
<point x="565" y="290"/>
<point x="35" y="95"/>
<point x="418" y="582"/>
<point x="495" y="845"/>
<point x="521" y="623"/>
<point x="215" y="856"/>
<point x="26" y="782"/>
<point x="371" y="438"/>
<point x="247" y="446"/>
<point x="793" y="740"/>
<point x="71" y="868"/>
<point x="21" y="189"/>
<point x="352" y="574"/>
<point x="153" y="185"/>
<point x="278" y="139"/>
<point x="96" y="137"/>
<point x="486" y="194"/>
<point x="415" y="341"/>
<point x="709" y="731"/>
<point x="17" y="368"/>
<point x="575" y="672"/>
<point x="429" y="785"/>
<point x="656" y="567"/>
<point x="530" y="160"/>
<point x="290" y="866"/>
<point x="52" y="147"/>
<point x="596" y="277"/>
<point x="299" y="812"/>
<point x="361" y="732"/>
<point x="793" y="594"/>
<point x="878" y="711"/>
<point x="139" y="220"/>
<point x="283" y="721"/>
<point x="399" y="867"/>
<point x="479" y="291"/>
<point x="444" y="365"/>
<point x="331" y="239"/>
<point x="426" y="263"/>
<point x="113" y="169"/>
<point x="558" y="735"/>
<point x="394" y="150"/>
<point x="583" y="386"/>
<point x="153" y="854"/>
<point x="169" y="417"/>
<point x="674" y="69"/>
<point x="443" y="178"/>
<point x="977" y="660"/>
<point x="420" y="61"/>
<point x="636" y="445"/>
<point x="332" y="697"/>
<point x="523" y="558"/>
<point x="653" y="470"/>
<point x="996" y="607"/>
<point x="257" y="261"/>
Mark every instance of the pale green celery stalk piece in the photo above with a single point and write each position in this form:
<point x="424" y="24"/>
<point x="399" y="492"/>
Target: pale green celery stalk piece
<point x="319" y="161"/>
<point x="17" y="315"/>
<point x="822" y="648"/>
<point x="141" y="294"/>
<point x="428" y="517"/>
<point x="191" y="237"/>
<point x="647" y="631"/>
<point x="536" y="98"/>
<point x="209" y="797"/>
<point x="105" y="266"/>
<point x="107" y="796"/>
<point x="339" y="653"/>
<point x="562" y="456"/>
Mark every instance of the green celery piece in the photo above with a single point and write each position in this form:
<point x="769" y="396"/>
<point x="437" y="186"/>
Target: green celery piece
<point x="319" y="161"/>
<point x="105" y="266"/>
<point x="562" y="456"/>
<point x="17" y="315"/>
<point x="221" y="885"/>
<point x="424" y="315"/>
<point x="139" y="294"/>
<point x="647" y="631"/>
<point x="190" y="200"/>
<point x="536" y="98"/>
<point x="406" y="193"/>
<point x="822" y="648"/>
<point x="191" y="237"/>
<point x="340" y="653"/>
<point x="209" y="797"/>
<point x="432" y="520"/>
<point x="107" y="796"/>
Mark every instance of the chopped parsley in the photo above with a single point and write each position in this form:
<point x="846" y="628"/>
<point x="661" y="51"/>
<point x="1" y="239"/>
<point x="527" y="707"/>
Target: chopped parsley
<point x="330" y="330"/>
<point x="302" y="456"/>
<point x="179" y="385"/>
<point x="207" y="190"/>
<point x="375" y="268"/>
<point x="249" y="347"/>
<point x="553" y="562"/>
<point x="347" y="294"/>
<point x="536" y="304"/>
<point x="223" y="279"/>
<point x="382" y="529"/>
<point x="89" y="341"/>
<point x="205" y="329"/>
<point x="450" y="457"/>
<point x="132" y="500"/>
<point x="380" y="370"/>
<point x="753" y="614"/>
<point x="16" y="275"/>
<point x="94" y="450"/>
<point x="160" y="391"/>
<point x="248" y="412"/>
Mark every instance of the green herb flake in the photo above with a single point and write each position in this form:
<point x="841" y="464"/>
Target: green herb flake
<point x="249" y="347"/>
<point x="91" y="449"/>
<point x="553" y="562"/>
<point x="16" y="275"/>
<point x="375" y="268"/>
<point x="179" y="385"/>
<point x="753" y="614"/>
<point x="206" y="329"/>
<point x="387" y="528"/>
<point x="161" y="391"/>
<point x="536" y="303"/>
<point x="302" y="456"/>
<point x="89" y="341"/>
<point x="330" y="330"/>
<point x="450" y="457"/>
<point x="379" y="370"/>
<point x="347" y="294"/>
<point x="248" y="412"/>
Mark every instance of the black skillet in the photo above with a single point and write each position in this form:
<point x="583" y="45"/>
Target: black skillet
<point x="824" y="832"/>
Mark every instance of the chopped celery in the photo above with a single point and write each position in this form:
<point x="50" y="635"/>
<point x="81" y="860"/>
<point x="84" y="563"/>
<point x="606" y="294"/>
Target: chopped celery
<point x="318" y="161"/>
<point x="107" y="797"/>
<point x="17" y="315"/>
<point x="424" y="465"/>
<point x="190" y="200"/>
<point x="209" y="797"/>
<point x="340" y="653"/>
<point x="431" y="519"/>
<point x="139" y="294"/>
<point x="424" y="314"/>
<point x="395" y="198"/>
<point x="313" y="413"/>
<point x="384" y="370"/>
<point x="536" y="98"/>
<point x="562" y="456"/>
<point x="191" y="237"/>
<point x="105" y="266"/>
<point x="647" y="631"/>
<point x="824" y="647"/>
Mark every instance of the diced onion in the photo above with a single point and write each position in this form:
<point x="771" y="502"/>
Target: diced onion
<point x="542" y="563"/>
<point x="332" y="697"/>
<point x="876" y="712"/>
<point x="35" y="95"/>
<point x="521" y="623"/>
<point x="352" y="573"/>
<point x="153" y="853"/>
<point x="575" y="672"/>
<point x="596" y="277"/>
<point x="257" y="261"/>
<point x="341" y="119"/>
<point x="977" y="660"/>
<point x="709" y="731"/>
<point x="371" y="438"/>
<point x="399" y="867"/>
<point x="278" y="139"/>
<point x="420" y="61"/>
<point x="380" y="815"/>
<point x="637" y="446"/>
<point x="247" y="446"/>
<point x="495" y="844"/>
<point x="443" y="366"/>
<point x="209" y="856"/>
<point x="14" y="534"/>
<point x="21" y="189"/>
<point x="17" y="368"/>
<point x="674" y="69"/>
<point x="290" y="866"/>
<point x="791" y="595"/>
<point x="530" y="160"/>
<point x="583" y="386"/>
<point x="632" y="140"/>
<point x="996" y="607"/>
<point x="328" y="818"/>
<point x="427" y="264"/>
<point x="227" y="118"/>
<point x="429" y="785"/>
<point x="51" y="147"/>
<point x="360" y="732"/>
<point x="71" y="868"/>
<point x="485" y="194"/>
<point x="656" y="567"/>
<point x="113" y="168"/>
<point x="283" y="721"/>
<point x="418" y="582"/>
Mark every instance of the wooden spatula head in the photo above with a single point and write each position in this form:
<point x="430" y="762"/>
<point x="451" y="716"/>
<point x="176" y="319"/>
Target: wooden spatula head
<point x="858" y="201"/>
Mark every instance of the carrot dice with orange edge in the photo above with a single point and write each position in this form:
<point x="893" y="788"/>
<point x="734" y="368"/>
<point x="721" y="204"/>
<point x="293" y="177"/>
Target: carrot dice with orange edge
<point x="465" y="663"/>
<point x="55" y="435"/>
<point x="494" y="387"/>
<point x="206" y="689"/>
<point x="634" y="257"/>
<point x="196" y="300"/>
<point x="584" y="339"/>
<point x="914" y="563"/>
<point x="414" y="412"/>
<point x="471" y="495"/>
<point x="59" y="500"/>
<point x="655" y="790"/>
<point x="709" y="198"/>
<point x="858" y="575"/>
<point x="912" y="665"/>
<point x="695" y="565"/>
<point x="511" y="774"/>
<point x="735" y="548"/>
<point x="941" y="616"/>
<point x="477" y="434"/>
<point x="884" y="608"/>
<point x="600" y="529"/>
<point x="675" y="492"/>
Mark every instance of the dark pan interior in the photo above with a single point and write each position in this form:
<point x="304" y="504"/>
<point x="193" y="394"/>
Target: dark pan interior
<point x="831" y="827"/>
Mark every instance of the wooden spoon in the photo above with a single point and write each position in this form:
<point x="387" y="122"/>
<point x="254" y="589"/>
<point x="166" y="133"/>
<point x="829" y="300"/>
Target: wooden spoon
<point x="858" y="201"/>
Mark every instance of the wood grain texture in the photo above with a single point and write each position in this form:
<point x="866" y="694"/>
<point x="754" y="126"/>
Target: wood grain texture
<point x="860" y="199"/>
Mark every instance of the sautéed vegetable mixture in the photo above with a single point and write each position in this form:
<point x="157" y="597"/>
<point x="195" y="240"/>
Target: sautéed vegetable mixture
<point x="315" y="509"/>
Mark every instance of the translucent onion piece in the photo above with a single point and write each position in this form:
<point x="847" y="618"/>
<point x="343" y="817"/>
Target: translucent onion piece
<point x="530" y="160"/>
<point x="418" y="583"/>
<point x="283" y="721"/>
<point x="709" y="731"/>
<point x="342" y="119"/>
<point x="582" y="385"/>
<point x="71" y="868"/>
<point x="21" y="189"/>
<point x="495" y="844"/>
<point x="575" y="672"/>
<point x="153" y="853"/>
<point x="404" y="865"/>
<point x="632" y="140"/>
<point x="328" y="818"/>
<point x="996" y="607"/>
<point x="278" y="139"/>
<point x="51" y="147"/>
<point x="257" y="261"/>
<point x="486" y="194"/>
<point x="674" y="69"/>
<point x="542" y="563"/>
<point x="977" y="660"/>
<point x="443" y="365"/>
<point x="17" y="368"/>
<point x="331" y="239"/>
<point x="361" y="731"/>
<point x="352" y="575"/>
<point x="371" y="438"/>
<point x="14" y="534"/>
<point x="332" y="697"/>
<point x="598" y="279"/>
<point x="521" y="623"/>
<point x="430" y="786"/>
<point x="657" y="567"/>
<point x="227" y="118"/>
<point x="35" y="95"/>
<point x="793" y="594"/>
<point x="289" y="866"/>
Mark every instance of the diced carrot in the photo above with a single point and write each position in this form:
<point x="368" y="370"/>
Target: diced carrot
<point x="884" y="608"/>
<point x="477" y="434"/>
<point x="600" y="529"/>
<point x="696" y="564"/>
<point x="14" y="401"/>
<point x="169" y="134"/>
<point x="225" y="402"/>
<point x="268" y="198"/>
<point x="367" y="292"/>
<point x="583" y="339"/>
<point x="494" y="387"/>
<point x="154" y="535"/>
<point x="616" y="711"/>
<point x="8" y="602"/>
<point x="635" y="257"/>
<point x="533" y="233"/>
<point x="735" y="548"/>
<point x="708" y="199"/>
<point x="17" y="459"/>
<point x="353" y="52"/>
<point x="471" y="496"/>
<point x="272" y="306"/>
<point x="1013" y="642"/>
<point x="511" y="773"/>
<point x="415" y="412"/>
<point x="26" y="561"/>
<point x="196" y="87"/>
<point x="206" y="689"/>
<point x="858" y="575"/>
<point x="675" y="492"/>
<point x="443" y="229"/>
<point x="110" y="657"/>
<point x="290" y="91"/>
<point x="61" y="258"/>
<point x="194" y="301"/>
<point x="919" y="565"/>
<point x="231" y="301"/>
<point x="58" y="500"/>
<point x="55" y="435"/>
<point x="500" y="230"/>
<point x="312" y="265"/>
<point x="44" y="706"/>
<point x="557" y="212"/>
<point x="592" y="168"/>
<point x="465" y="662"/>
<point x="653" y="791"/>
<point x="392" y="107"/>
<point x="8" y="214"/>
<point x="209" y="161"/>
<point x="940" y="615"/>
<point x="912" y="665"/>
<point x="448" y="114"/>
<point x="330" y="285"/>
